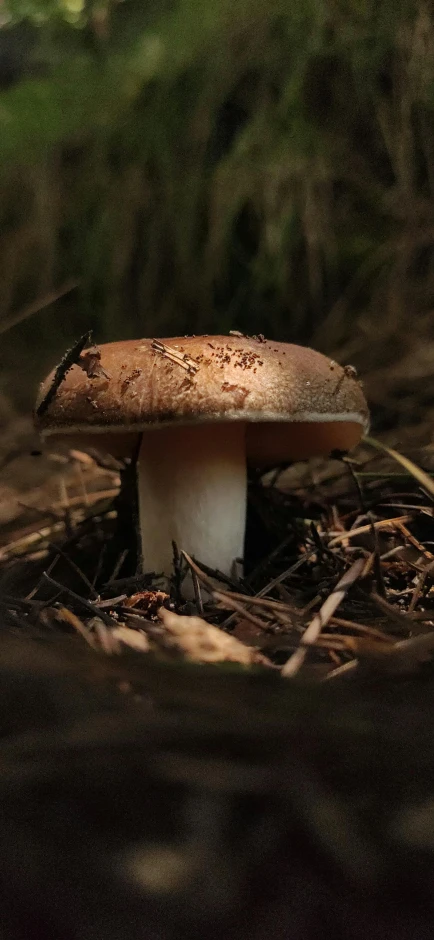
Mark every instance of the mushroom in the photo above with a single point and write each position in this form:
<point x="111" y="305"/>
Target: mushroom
<point x="202" y="408"/>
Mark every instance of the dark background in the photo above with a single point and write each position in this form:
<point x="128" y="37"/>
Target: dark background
<point x="199" y="166"/>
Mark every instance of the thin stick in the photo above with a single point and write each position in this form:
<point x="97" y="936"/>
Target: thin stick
<point x="361" y="628"/>
<point x="50" y="568"/>
<point x="345" y="669"/>
<point x="209" y="583"/>
<point x="257" y="601"/>
<point x="81" y="601"/>
<point x="30" y="309"/>
<point x="70" y="358"/>
<point x="327" y="610"/>
<point x="381" y="524"/>
<point x="197" y="593"/>
<point x="423" y="478"/>
<point x="180" y="359"/>
<point x="415" y="542"/>
<point x="400" y="618"/>
<point x="376" y="562"/>
<point x="226" y="601"/>
<point x="40" y="535"/>
<point x="419" y="586"/>
<point x="119" y="563"/>
<point x="74" y="567"/>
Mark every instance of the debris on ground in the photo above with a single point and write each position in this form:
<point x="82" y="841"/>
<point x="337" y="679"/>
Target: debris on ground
<point x="345" y="586"/>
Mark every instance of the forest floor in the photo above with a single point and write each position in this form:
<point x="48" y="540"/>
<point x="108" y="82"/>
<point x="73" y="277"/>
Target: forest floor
<point x="339" y="559"/>
<point x="201" y="791"/>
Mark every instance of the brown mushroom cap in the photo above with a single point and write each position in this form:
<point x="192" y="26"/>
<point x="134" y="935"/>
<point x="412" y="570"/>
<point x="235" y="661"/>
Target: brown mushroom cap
<point x="318" y="405"/>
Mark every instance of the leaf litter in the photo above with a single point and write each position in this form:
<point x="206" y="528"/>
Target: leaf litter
<point x="346" y="586"/>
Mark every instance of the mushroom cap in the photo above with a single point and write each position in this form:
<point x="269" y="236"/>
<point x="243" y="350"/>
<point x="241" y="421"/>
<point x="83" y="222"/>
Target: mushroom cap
<point x="295" y="401"/>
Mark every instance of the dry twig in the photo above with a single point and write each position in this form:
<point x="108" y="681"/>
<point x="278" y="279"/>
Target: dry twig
<point x="313" y="631"/>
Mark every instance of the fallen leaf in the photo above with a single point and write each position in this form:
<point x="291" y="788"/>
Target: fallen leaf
<point x="148" y="601"/>
<point x="423" y="478"/>
<point x="133" y="638"/>
<point x="203" y="643"/>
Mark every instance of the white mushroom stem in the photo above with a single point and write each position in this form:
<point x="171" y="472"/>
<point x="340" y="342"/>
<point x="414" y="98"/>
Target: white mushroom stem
<point x="192" y="488"/>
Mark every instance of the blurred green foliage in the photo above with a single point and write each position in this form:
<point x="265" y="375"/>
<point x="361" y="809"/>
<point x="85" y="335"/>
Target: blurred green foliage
<point x="203" y="165"/>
